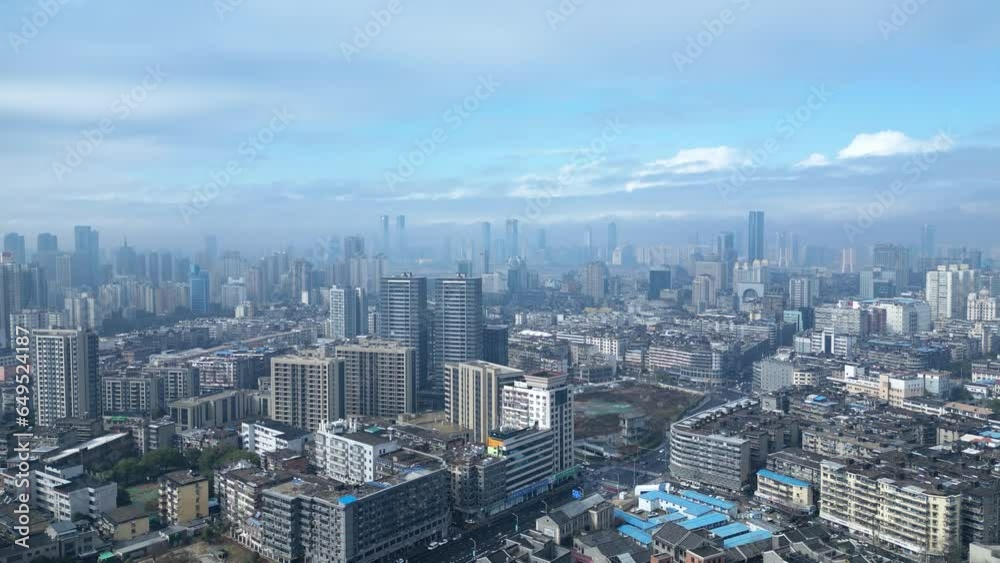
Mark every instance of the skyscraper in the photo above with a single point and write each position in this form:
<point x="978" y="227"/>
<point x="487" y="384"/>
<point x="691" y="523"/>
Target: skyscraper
<point x="948" y="289"/>
<point x="347" y="311"/>
<point x="800" y="293"/>
<point x="895" y="263"/>
<point x="86" y="256"/>
<point x="401" y="235"/>
<point x="307" y="390"/>
<point x="473" y="394"/>
<point x="65" y="374"/>
<point x="458" y="321"/>
<point x="14" y="244"/>
<point x="21" y="287"/>
<point x="595" y="281"/>
<point x="403" y="317"/>
<point x="588" y="243"/>
<point x="512" y="241"/>
<point x="486" y="244"/>
<point x="383" y="221"/>
<point x="612" y="240"/>
<point x="755" y="236"/>
<point x="927" y="235"/>
<point x="495" y="344"/>
<point x="198" y="281"/>
<point x="658" y="281"/>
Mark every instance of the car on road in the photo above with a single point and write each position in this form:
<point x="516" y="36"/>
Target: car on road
<point x="433" y="545"/>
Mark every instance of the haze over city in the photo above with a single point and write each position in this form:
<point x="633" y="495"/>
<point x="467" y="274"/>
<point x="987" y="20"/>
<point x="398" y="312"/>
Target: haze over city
<point x="560" y="281"/>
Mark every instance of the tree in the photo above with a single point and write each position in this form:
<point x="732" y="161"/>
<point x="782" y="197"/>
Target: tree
<point x="124" y="499"/>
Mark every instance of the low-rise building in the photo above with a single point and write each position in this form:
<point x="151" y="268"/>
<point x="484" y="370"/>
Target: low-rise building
<point x="785" y="493"/>
<point x="183" y="497"/>
<point x="585" y="515"/>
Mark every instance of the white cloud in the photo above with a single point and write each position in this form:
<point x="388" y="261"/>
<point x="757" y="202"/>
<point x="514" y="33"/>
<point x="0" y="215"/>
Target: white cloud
<point x="697" y="161"/>
<point x="891" y="143"/>
<point x="813" y="161"/>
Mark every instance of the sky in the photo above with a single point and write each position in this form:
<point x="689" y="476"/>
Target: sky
<point x="263" y="120"/>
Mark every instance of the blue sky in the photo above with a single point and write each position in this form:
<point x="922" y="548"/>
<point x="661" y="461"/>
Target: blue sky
<point x="589" y="114"/>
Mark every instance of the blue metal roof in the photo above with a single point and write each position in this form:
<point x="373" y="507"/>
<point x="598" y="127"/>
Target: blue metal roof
<point x="672" y="517"/>
<point x="636" y="534"/>
<point x="755" y="536"/>
<point x="730" y="530"/>
<point x="706" y="521"/>
<point x="768" y="474"/>
<point x="684" y="504"/>
<point x="635" y="521"/>
<point x="709" y="500"/>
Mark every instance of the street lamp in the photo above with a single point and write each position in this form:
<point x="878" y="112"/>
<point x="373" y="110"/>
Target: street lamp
<point x="516" y="524"/>
<point x="546" y="507"/>
<point x="474" y="546"/>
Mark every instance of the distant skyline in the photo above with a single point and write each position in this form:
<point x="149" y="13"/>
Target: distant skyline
<point x="307" y="123"/>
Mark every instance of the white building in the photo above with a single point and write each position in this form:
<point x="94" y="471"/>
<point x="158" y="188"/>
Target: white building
<point x="905" y="316"/>
<point x="982" y="306"/>
<point x="545" y="400"/>
<point x="268" y="436"/>
<point x="65" y="372"/>
<point x="948" y="289"/>
<point x="67" y="491"/>
<point x="349" y="456"/>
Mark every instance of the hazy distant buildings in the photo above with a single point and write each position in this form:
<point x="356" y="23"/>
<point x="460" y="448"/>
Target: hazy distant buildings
<point x="658" y="281"/>
<point x="800" y="293"/>
<point x="595" y="281"/>
<point x="948" y="289"/>
<point x="755" y="236"/>
<point x="982" y="306"/>
<point x="199" y="287"/>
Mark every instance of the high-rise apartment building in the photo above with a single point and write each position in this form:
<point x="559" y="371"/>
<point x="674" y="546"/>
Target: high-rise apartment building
<point x="658" y="281"/>
<point x="458" y="322"/>
<point x="612" y="240"/>
<point x="14" y="244"/>
<point x="307" y="390"/>
<point x="755" y="236"/>
<point x="403" y="317"/>
<point x="894" y="260"/>
<point x="348" y="314"/>
<point x="495" y="344"/>
<point x="65" y="375"/>
<point x="595" y="281"/>
<point x="800" y="293"/>
<point x="86" y="256"/>
<point x="473" y="394"/>
<point x="379" y="378"/>
<point x="512" y="242"/>
<point x="948" y="289"/>
<point x="543" y="400"/>
<point x="198" y="281"/>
